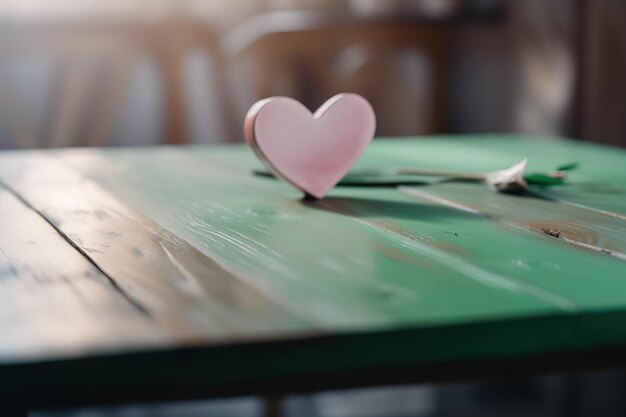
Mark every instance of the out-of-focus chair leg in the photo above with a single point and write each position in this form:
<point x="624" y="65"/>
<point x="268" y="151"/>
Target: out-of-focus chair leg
<point x="111" y="96"/>
<point x="71" y="95"/>
<point x="21" y="133"/>
<point x="273" y="406"/>
<point x="170" y="63"/>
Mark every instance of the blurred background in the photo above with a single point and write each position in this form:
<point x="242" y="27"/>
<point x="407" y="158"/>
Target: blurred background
<point x="142" y="72"/>
<point x="145" y="72"/>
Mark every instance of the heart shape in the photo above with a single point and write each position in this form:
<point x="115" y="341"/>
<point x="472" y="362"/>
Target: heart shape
<point x="313" y="152"/>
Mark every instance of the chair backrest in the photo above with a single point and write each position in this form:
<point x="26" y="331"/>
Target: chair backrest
<point x="398" y="64"/>
<point x="90" y="69"/>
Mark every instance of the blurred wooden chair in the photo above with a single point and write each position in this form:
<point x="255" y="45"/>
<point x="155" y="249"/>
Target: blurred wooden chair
<point x="91" y="70"/>
<point x="172" y="45"/>
<point x="399" y="64"/>
<point x="94" y="64"/>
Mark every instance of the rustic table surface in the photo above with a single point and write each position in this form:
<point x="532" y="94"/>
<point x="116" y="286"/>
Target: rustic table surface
<point x="171" y="272"/>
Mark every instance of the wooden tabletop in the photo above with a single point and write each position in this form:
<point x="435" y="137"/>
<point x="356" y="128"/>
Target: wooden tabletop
<point x="133" y="274"/>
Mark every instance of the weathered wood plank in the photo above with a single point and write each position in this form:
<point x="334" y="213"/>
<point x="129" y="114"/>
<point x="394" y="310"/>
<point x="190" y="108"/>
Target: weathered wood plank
<point x="192" y="298"/>
<point x="598" y="183"/>
<point x="417" y="233"/>
<point x="520" y="245"/>
<point x="53" y="301"/>
<point x="340" y="271"/>
<point x="602" y="198"/>
<point x="575" y="225"/>
<point x="387" y="282"/>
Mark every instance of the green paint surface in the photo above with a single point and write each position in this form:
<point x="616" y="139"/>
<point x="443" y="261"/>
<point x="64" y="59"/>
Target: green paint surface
<point x="432" y="273"/>
<point x="366" y="259"/>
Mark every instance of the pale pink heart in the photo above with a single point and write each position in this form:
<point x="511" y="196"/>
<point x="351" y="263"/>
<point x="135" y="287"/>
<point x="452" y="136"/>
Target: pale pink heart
<point x="311" y="151"/>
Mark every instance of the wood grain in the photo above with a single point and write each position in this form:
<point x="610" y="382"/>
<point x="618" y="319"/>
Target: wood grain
<point x="53" y="301"/>
<point x="373" y="229"/>
<point x="256" y="290"/>
<point x="189" y="297"/>
<point x="322" y="264"/>
<point x="576" y="225"/>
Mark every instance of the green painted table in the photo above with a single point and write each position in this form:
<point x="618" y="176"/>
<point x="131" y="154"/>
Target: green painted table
<point x="171" y="272"/>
